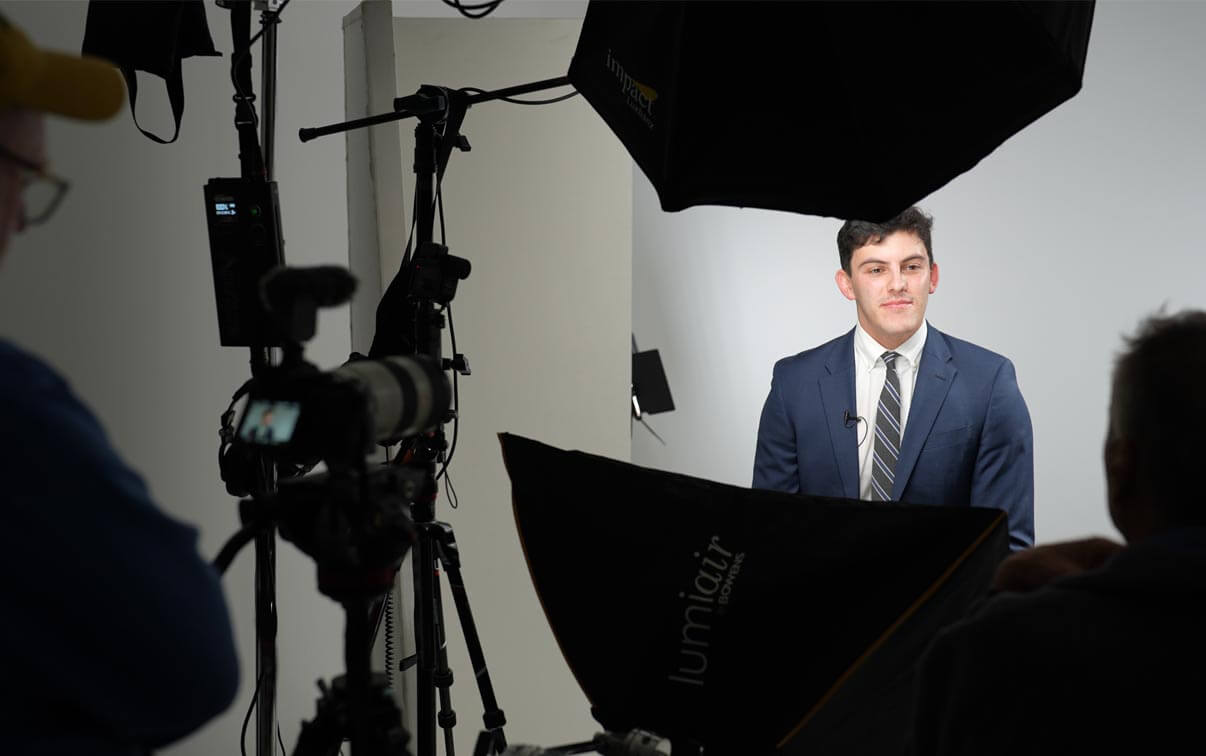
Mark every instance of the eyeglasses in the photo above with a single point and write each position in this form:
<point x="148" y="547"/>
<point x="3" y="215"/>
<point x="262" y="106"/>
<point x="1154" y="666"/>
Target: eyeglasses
<point x="41" y="192"/>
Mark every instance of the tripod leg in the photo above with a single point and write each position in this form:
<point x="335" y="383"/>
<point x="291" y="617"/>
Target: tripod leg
<point x="443" y="674"/>
<point x="425" y="638"/>
<point x="449" y="556"/>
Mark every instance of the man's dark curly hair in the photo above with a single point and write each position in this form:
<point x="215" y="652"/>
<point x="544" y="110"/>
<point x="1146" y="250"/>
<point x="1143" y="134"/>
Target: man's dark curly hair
<point x="855" y="233"/>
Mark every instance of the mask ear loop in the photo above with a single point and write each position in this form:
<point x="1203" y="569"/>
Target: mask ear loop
<point x="175" y="90"/>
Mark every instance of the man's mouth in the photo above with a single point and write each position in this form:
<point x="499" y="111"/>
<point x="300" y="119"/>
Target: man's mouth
<point x="897" y="304"/>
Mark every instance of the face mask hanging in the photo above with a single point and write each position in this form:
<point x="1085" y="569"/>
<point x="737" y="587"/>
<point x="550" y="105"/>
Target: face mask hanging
<point x="151" y="37"/>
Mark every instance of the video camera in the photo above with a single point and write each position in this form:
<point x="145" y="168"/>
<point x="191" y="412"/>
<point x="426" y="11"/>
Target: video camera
<point x="354" y="518"/>
<point x="297" y="414"/>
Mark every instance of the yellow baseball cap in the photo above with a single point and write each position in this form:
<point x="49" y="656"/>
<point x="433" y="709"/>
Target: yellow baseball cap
<point x="68" y="85"/>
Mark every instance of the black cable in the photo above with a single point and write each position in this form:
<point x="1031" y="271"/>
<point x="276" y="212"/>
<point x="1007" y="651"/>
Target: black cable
<point x="414" y="219"/>
<point x="236" y="543"/>
<point x="467" y="10"/>
<point x="452" y="497"/>
<point x="279" y="739"/>
<point x="271" y="17"/>
<point x="456" y="404"/>
<point x="440" y="207"/>
<point x="389" y="637"/>
<point x="456" y="400"/>
<point x="274" y="17"/>
<point x="514" y="101"/>
<point x="255" y="697"/>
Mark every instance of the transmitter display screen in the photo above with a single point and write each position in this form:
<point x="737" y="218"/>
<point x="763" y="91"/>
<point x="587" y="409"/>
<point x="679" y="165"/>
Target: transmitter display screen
<point x="224" y="208"/>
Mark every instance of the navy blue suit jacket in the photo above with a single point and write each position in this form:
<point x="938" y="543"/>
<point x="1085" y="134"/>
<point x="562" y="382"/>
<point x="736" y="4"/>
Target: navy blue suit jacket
<point x="968" y="438"/>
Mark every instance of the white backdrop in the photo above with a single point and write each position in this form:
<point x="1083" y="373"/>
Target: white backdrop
<point x="1051" y="248"/>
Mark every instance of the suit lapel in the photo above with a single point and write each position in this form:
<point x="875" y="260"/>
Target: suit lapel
<point x="934" y="378"/>
<point x="837" y="397"/>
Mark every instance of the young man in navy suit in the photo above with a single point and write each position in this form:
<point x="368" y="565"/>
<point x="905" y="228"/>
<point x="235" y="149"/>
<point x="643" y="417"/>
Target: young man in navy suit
<point x="896" y="410"/>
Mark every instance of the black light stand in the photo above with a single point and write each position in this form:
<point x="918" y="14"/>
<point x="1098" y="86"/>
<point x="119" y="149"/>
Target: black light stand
<point x="408" y="322"/>
<point x="265" y="563"/>
<point x="258" y="166"/>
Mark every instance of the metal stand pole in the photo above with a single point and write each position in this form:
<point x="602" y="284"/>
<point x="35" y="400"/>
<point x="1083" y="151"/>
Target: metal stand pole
<point x="265" y="563"/>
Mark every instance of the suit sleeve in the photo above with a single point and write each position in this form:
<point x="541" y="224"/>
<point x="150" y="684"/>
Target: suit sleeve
<point x="1004" y="472"/>
<point x="775" y="458"/>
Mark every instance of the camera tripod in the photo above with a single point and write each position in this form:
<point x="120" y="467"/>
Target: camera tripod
<point x="436" y="546"/>
<point x="428" y="279"/>
<point x="358" y="705"/>
<point x="408" y="322"/>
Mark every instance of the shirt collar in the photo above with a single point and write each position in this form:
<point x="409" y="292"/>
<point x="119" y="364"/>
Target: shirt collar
<point x="869" y="350"/>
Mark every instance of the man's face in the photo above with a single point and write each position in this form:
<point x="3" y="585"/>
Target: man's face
<point x="20" y="133"/>
<point x="890" y="284"/>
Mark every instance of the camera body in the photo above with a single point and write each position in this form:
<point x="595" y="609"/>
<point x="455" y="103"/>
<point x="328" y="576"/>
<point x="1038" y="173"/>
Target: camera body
<point x="298" y="414"/>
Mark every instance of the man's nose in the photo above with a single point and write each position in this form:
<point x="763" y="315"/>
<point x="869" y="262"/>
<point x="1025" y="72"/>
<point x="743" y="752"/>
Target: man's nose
<point x="898" y="282"/>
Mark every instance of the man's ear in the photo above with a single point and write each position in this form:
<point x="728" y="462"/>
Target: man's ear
<point x="1119" y="460"/>
<point x="844" y="284"/>
<point x="933" y="277"/>
<point x="1120" y="469"/>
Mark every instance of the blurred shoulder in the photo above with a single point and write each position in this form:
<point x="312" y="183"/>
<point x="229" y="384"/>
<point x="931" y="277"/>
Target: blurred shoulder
<point x="26" y="382"/>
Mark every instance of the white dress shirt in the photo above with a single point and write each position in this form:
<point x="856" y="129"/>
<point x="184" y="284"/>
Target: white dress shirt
<point x="869" y="375"/>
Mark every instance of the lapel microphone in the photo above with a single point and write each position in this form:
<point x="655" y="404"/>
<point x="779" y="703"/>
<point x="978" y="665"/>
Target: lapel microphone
<point x="850" y="420"/>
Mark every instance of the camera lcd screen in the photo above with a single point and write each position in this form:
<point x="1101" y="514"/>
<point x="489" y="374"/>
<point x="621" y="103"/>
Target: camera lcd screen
<point x="268" y="422"/>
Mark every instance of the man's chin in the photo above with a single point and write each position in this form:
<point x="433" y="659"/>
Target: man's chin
<point x="899" y="333"/>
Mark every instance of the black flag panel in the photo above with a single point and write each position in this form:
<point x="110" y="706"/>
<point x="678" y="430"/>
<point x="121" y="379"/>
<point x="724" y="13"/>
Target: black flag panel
<point x="852" y="110"/>
<point x="745" y="621"/>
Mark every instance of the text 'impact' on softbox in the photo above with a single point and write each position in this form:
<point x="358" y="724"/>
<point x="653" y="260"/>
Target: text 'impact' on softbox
<point x="744" y="621"/>
<point x="842" y="109"/>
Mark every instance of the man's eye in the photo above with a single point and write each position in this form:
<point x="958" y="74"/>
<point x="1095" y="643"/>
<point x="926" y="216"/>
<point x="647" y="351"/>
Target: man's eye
<point x="914" y="266"/>
<point x="875" y="270"/>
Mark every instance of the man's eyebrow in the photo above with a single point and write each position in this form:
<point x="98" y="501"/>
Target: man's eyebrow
<point x="908" y="259"/>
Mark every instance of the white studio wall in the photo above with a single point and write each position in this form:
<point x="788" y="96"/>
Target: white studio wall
<point x="117" y="293"/>
<point x="1049" y="250"/>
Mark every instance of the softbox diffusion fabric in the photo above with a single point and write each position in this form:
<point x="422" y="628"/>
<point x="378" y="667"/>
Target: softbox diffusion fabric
<point x="843" y="109"/>
<point x="746" y="621"/>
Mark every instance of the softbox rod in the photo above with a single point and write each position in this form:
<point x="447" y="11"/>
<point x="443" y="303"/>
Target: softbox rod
<point x="306" y="135"/>
<point x="268" y="21"/>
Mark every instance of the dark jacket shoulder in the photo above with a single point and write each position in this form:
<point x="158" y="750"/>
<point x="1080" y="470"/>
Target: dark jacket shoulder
<point x="817" y="357"/>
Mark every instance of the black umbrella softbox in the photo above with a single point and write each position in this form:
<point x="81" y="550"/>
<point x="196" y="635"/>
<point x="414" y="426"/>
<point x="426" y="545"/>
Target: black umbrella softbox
<point x="846" y="109"/>
<point x="746" y="621"/>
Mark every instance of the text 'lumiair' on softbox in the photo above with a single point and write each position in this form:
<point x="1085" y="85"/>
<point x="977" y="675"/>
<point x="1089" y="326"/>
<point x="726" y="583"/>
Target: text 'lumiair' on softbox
<point x="744" y="621"/>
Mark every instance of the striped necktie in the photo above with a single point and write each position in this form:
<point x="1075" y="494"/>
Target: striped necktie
<point x="886" y="449"/>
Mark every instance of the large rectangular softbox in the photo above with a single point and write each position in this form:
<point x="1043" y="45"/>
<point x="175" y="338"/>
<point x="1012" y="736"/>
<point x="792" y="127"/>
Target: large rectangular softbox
<point x="745" y="621"/>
